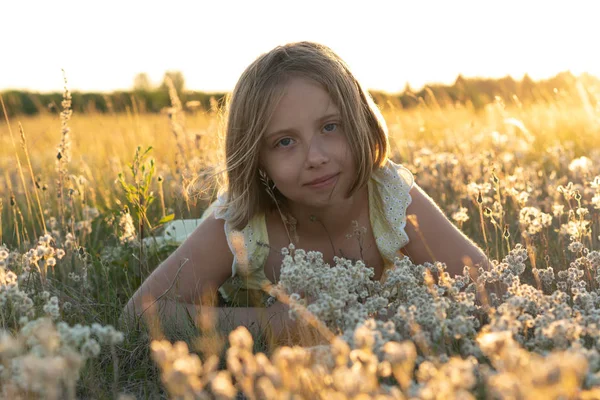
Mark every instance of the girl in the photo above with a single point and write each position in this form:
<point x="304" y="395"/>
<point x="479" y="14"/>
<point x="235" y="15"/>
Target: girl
<point x="307" y="159"/>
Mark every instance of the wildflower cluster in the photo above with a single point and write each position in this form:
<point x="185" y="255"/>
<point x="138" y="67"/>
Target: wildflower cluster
<point x="461" y="216"/>
<point x="12" y="298"/>
<point x="442" y="317"/>
<point x="289" y="372"/>
<point x="44" y="355"/>
<point x="344" y="371"/>
<point x="42" y="256"/>
<point x="343" y="295"/>
<point x="84" y="225"/>
<point x="595" y="201"/>
<point x="533" y="220"/>
<point x="182" y="371"/>
<point x="521" y="374"/>
<point x="128" y="233"/>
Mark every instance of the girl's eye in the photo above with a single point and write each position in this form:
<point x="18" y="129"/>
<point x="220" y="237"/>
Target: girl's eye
<point x="285" y="142"/>
<point x="330" y="127"/>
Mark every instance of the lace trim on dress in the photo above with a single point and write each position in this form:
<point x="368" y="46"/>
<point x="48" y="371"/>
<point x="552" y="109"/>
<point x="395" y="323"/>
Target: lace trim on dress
<point x="394" y="182"/>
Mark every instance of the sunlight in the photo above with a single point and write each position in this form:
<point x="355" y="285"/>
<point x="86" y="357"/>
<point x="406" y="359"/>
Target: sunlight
<point x="387" y="44"/>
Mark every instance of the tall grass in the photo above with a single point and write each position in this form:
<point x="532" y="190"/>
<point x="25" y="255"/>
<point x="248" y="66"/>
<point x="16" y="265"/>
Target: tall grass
<point x="508" y="175"/>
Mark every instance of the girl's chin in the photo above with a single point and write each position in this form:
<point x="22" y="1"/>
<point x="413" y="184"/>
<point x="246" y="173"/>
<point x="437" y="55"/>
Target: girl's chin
<point x="316" y="203"/>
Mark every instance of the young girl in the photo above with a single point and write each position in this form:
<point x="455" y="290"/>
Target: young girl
<point x="307" y="159"/>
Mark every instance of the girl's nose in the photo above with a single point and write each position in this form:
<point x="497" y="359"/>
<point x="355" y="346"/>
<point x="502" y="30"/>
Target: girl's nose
<point x="317" y="152"/>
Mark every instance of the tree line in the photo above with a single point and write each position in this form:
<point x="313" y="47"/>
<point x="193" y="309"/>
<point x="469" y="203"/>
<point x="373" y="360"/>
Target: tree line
<point x="473" y="92"/>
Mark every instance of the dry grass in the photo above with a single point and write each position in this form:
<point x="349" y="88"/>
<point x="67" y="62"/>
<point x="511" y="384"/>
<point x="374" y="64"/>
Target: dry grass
<point x="525" y="153"/>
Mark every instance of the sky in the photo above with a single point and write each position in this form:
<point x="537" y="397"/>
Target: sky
<point x="103" y="45"/>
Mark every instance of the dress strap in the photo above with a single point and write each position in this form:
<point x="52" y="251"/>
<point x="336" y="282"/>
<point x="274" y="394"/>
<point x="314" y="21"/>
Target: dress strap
<point x="250" y="250"/>
<point x="388" y="202"/>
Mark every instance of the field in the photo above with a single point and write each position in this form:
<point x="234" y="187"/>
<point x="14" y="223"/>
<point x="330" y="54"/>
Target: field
<point x="80" y="193"/>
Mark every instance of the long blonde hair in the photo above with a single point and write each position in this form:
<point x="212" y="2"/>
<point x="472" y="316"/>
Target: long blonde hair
<point x="253" y="101"/>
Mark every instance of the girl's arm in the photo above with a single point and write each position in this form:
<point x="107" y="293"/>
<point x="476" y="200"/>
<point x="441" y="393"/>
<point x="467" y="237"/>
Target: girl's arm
<point x="434" y="238"/>
<point x="274" y="319"/>
<point x="195" y="271"/>
<point x="196" y="268"/>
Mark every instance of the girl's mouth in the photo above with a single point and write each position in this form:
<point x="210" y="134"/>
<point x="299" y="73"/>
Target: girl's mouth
<point x="325" y="183"/>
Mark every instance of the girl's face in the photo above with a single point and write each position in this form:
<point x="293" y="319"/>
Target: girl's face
<point x="305" y="142"/>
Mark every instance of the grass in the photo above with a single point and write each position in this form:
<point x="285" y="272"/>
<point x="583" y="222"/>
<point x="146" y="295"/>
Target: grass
<point x="519" y="150"/>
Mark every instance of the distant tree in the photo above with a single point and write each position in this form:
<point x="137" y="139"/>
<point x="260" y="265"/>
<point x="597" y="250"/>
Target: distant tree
<point x="177" y="79"/>
<point x="508" y="83"/>
<point x="408" y="98"/>
<point x="460" y="81"/>
<point x="459" y="89"/>
<point x="141" y="83"/>
<point x="526" y="88"/>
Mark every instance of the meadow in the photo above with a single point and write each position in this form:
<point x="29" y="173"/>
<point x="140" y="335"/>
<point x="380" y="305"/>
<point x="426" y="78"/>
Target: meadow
<point x="82" y="196"/>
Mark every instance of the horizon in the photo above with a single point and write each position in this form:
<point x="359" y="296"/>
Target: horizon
<point x="156" y="85"/>
<point x="386" y="45"/>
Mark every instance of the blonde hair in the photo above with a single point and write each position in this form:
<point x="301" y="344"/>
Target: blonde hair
<point x="253" y="101"/>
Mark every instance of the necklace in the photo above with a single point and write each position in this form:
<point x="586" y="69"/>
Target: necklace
<point x="291" y="225"/>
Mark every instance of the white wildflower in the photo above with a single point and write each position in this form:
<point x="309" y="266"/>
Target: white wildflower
<point x="533" y="220"/>
<point x="575" y="228"/>
<point x="60" y="253"/>
<point x="473" y="189"/>
<point x="576" y="246"/>
<point x="90" y="348"/>
<point x="582" y="164"/>
<point x="596" y="201"/>
<point x="128" y="231"/>
<point x="558" y="210"/>
<point x="461" y="215"/>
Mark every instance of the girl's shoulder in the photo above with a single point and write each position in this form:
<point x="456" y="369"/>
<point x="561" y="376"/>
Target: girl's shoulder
<point x="393" y="177"/>
<point x="247" y="245"/>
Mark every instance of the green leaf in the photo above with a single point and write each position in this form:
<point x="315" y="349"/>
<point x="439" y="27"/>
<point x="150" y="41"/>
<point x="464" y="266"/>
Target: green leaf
<point x="166" y="219"/>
